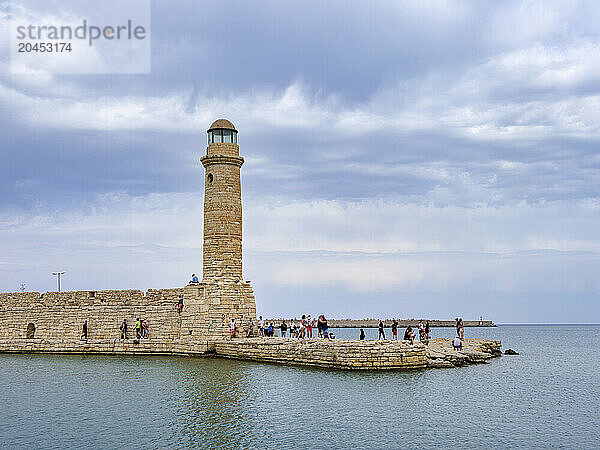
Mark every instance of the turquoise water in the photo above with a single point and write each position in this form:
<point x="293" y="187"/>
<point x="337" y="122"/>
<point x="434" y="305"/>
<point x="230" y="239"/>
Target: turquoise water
<point x="546" y="397"/>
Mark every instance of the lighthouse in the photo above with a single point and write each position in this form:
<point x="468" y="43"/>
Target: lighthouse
<point x="223" y="294"/>
<point x="222" y="251"/>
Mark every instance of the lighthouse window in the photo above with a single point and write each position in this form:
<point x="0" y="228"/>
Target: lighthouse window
<point x="218" y="138"/>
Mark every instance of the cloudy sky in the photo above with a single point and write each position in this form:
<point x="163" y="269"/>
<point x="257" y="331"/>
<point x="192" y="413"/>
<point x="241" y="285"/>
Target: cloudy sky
<point x="408" y="159"/>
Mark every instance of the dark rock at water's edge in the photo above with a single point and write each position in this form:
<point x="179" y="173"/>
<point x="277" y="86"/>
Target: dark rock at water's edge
<point x="510" y="351"/>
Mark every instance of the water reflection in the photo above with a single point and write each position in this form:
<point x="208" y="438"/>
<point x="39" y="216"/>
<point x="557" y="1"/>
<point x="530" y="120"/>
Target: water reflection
<point x="217" y="404"/>
<point x="58" y="401"/>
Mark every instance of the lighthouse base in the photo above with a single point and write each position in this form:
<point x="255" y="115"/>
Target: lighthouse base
<point x="209" y="306"/>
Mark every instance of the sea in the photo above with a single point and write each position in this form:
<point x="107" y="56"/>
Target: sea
<point x="546" y="397"/>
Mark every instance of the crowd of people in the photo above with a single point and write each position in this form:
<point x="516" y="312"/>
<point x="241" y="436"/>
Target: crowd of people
<point x="301" y="329"/>
<point x="140" y="329"/>
<point x="409" y="334"/>
<point x="304" y="329"/>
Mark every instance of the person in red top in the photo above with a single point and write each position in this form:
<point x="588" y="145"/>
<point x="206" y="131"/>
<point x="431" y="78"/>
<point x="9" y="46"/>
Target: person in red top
<point x="232" y="328"/>
<point x="309" y="326"/>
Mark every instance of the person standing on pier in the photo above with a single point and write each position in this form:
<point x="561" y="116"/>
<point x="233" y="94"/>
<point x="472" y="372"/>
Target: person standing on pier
<point x="362" y="334"/>
<point x="461" y="329"/>
<point x="427" y="330"/>
<point x="283" y="328"/>
<point x="321" y="325"/>
<point x="232" y="327"/>
<point x="309" y="327"/>
<point x="381" y="332"/>
<point x="123" y="329"/>
<point x="394" y="329"/>
<point x="250" y="332"/>
<point x="303" y="327"/>
<point x="421" y="331"/>
<point x="261" y="326"/>
<point x="138" y="328"/>
<point x="409" y="335"/>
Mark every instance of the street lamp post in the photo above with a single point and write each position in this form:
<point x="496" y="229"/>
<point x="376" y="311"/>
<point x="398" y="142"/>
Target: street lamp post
<point x="57" y="275"/>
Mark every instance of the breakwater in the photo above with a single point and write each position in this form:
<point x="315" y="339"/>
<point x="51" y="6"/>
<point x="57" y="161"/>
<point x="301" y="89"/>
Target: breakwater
<point x="325" y="353"/>
<point x="337" y="354"/>
<point x="402" y="323"/>
<point x="334" y="354"/>
<point x="31" y="322"/>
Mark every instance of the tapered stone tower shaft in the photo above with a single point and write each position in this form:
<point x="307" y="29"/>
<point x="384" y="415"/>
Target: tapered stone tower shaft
<point x="222" y="253"/>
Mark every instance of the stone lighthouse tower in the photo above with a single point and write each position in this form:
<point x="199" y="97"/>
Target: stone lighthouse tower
<point x="222" y="255"/>
<point x="223" y="294"/>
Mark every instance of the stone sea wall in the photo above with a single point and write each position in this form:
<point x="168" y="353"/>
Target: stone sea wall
<point x="338" y="354"/>
<point x="208" y="307"/>
<point x="55" y="315"/>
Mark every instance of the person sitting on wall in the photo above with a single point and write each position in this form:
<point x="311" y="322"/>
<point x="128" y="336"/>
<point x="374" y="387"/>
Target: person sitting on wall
<point x="457" y="343"/>
<point x="84" y="334"/>
<point x="409" y="335"/>
<point x="194" y="279"/>
<point x="123" y="329"/>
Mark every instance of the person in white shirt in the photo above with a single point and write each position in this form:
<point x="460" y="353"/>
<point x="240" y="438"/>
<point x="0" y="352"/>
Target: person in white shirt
<point x="303" y="327"/>
<point x="232" y="327"/>
<point x="457" y="343"/>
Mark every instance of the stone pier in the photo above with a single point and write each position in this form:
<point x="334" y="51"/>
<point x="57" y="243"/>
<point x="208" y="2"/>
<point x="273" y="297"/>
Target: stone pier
<point x="331" y="354"/>
<point x="335" y="354"/>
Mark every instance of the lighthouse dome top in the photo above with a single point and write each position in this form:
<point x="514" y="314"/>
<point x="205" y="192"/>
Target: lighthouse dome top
<point x="222" y="131"/>
<point x="222" y="124"/>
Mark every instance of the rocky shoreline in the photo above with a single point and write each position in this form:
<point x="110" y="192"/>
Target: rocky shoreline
<point x="441" y="354"/>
